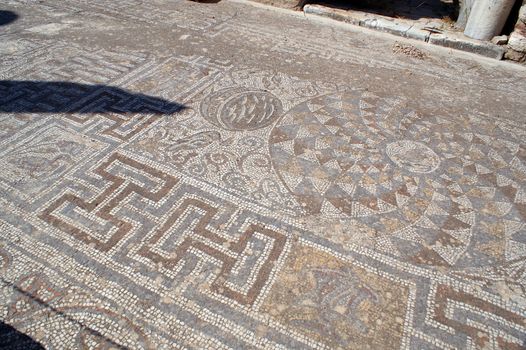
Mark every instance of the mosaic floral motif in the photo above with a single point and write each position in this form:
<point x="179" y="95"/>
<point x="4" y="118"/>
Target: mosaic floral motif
<point x="235" y="116"/>
<point x="31" y="166"/>
<point x="337" y="303"/>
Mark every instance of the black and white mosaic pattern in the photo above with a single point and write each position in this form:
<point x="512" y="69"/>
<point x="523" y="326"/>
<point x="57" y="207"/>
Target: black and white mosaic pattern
<point x="214" y="176"/>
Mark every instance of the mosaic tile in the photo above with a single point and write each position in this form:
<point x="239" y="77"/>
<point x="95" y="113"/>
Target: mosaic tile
<point x="177" y="175"/>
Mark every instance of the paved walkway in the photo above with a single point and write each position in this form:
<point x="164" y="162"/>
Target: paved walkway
<point x="223" y="176"/>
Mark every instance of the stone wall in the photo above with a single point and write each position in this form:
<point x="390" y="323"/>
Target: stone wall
<point x="517" y="41"/>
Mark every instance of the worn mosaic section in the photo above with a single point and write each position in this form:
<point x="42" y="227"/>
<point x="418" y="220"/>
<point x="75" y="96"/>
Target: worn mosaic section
<point x="331" y="300"/>
<point x="175" y="198"/>
<point x="222" y="137"/>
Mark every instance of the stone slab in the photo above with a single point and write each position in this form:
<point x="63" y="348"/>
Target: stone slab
<point x="413" y="30"/>
<point x="461" y="42"/>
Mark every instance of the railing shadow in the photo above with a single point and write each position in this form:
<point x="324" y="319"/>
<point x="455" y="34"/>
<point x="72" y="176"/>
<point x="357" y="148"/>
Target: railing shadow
<point x="9" y="333"/>
<point x="65" y="97"/>
<point x="7" y="17"/>
<point x="12" y="339"/>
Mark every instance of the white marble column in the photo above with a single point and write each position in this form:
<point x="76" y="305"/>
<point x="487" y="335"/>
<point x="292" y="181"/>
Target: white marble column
<point x="487" y="18"/>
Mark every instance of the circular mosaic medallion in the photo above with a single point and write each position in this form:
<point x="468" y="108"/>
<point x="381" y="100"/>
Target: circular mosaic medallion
<point x="239" y="108"/>
<point x="349" y="155"/>
<point x="334" y="157"/>
<point x="427" y="189"/>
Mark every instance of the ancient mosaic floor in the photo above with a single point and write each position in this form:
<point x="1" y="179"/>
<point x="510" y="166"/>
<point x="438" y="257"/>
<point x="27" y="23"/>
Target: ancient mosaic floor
<point x="222" y="176"/>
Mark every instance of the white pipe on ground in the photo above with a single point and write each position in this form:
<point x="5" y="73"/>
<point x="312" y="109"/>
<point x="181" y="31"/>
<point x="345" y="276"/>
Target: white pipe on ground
<point x="487" y="18"/>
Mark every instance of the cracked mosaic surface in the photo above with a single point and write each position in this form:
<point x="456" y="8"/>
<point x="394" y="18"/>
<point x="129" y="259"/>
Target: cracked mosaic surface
<point x="182" y="175"/>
